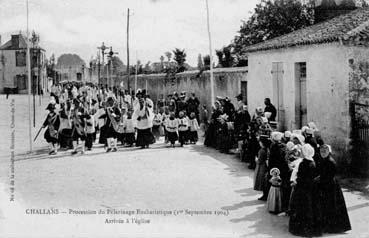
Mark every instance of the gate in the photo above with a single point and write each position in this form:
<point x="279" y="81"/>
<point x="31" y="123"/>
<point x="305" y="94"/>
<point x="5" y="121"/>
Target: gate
<point x="359" y="138"/>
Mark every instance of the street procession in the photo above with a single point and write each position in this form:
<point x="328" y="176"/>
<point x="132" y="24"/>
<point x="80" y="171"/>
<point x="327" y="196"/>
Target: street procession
<point x="212" y="119"/>
<point x="294" y="170"/>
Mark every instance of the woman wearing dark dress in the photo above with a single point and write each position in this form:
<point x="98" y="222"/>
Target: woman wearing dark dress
<point x="304" y="217"/>
<point x="277" y="160"/>
<point x="211" y="134"/>
<point x="335" y="218"/>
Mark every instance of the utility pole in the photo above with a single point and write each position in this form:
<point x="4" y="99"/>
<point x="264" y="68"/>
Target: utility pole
<point x="98" y="68"/>
<point x="128" y="67"/>
<point x="211" y="56"/>
<point x="29" y="83"/>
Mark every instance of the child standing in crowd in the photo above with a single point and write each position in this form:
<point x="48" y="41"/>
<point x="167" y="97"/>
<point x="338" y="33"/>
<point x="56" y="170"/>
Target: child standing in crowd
<point x="90" y="130"/>
<point x="193" y="127"/>
<point x="165" y="118"/>
<point x="182" y="128"/>
<point x="274" y="202"/>
<point x="156" y="124"/>
<point x="121" y="133"/>
<point x="129" y="129"/>
<point x="171" y="126"/>
<point x="260" y="175"/>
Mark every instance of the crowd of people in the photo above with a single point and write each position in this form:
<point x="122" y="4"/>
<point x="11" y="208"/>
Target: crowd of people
<point x="294" y="170"/>
<point x="85" y="114"/>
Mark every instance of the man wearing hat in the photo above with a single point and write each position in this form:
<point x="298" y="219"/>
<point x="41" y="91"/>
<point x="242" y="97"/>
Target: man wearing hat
<point x="228" y="108"/>
<point x="240" y="102"/>
<point x="269" y="107"/>
<point x="182" y="104"/>
<point x="52" y="122"/>
<point x="193" y="105"/>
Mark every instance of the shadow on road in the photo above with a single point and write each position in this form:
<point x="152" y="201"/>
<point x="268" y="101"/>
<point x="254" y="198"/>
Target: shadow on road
<point x="235" y="166"/>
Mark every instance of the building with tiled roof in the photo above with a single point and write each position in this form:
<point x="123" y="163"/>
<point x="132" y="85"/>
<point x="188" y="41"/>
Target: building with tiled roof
<point x="13" y="66"/>
<point x="316" y="74"/>
<point x="346" y="27"/>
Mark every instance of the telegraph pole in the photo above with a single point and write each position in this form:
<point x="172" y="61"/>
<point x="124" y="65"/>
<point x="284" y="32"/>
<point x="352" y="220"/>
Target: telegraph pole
<point x="128" y="68"/>
<point x="29" y="83"/>
<point x="211" y="56"/>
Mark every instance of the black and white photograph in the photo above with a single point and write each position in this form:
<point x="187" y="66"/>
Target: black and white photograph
<point x="184" y="118"/>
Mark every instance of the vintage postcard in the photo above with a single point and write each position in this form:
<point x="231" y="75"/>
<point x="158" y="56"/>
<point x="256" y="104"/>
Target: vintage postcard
<point x="184" y="118"/>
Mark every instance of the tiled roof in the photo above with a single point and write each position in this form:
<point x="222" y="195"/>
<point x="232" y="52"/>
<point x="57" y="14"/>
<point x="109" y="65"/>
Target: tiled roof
<point x="344" y="27"/>
<point x="9" y="46"/>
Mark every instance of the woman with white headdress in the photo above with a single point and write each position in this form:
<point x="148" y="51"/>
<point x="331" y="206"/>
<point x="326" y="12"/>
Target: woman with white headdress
<point x="335" y="218"/>
<point x="277" y="159"/>
<point x="304" y="205"/>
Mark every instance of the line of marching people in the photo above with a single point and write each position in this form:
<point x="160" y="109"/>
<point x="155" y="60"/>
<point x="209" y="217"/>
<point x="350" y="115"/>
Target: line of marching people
<point x="77" y="116"/>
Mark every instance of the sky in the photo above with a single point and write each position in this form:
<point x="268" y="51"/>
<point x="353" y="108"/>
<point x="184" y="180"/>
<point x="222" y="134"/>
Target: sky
<point x="156" y="26"/>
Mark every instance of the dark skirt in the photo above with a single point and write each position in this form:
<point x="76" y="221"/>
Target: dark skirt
<point x="156" y="131"/>
<point x="335" y="218"/>
<point x="211" y="135"/>
<point x="89" y="140"/>
<point x="172" y="137"/>
<point x="49" y="138"/>
<point x="182" y="137"/>
<point x="193" y="137"/>
<point x="65" y="138"/>
<point x="121" y="137"/>
<point x="76" y="135"/>
<point x="260" y="177"/>
<point x="102" y="137"/>
<point x="304" y="218"/>
<point x="224" y="142"/>
<point x="145" y="137"/>
<point x="111" y="133"/>
<point x="130" y="138"/>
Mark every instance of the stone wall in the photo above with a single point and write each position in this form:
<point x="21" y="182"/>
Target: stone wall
<point x="227" y="82"/>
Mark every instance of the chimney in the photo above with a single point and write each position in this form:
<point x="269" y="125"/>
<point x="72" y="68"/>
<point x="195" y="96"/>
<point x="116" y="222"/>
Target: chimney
<point x="15" y="41"/>
<point x="327" y="9"/>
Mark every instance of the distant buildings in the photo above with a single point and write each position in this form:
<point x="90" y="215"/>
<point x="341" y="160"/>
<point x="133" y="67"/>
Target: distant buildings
<point x="13" y="66"/>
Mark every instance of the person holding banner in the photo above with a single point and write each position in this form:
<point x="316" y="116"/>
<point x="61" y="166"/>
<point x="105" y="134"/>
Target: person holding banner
<point x="52" y="122"/>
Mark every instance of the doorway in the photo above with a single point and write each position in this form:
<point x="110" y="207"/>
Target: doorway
<point x="300" y="95"/>
<point x="277" y="77"/>
<point x="244" y="91"/>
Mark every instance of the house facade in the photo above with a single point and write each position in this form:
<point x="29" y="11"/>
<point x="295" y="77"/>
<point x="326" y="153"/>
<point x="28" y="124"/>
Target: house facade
<point x="309" y="76"/>
<point x="13" y="55"/>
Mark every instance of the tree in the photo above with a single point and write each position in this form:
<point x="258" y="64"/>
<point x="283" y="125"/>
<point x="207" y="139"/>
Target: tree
<point x="147" y="68"/>
<point x="271" y="18"/>
<point x="118" y="65"/>
<point x="162" y="62"/>
<point x="225" y="58"/>
<point x="70" y="60"/>
<point x="200" y="63"/>
<point x="180" y="58"/>
<point x="207" y="62"/>
<point x="168" y="55"/>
